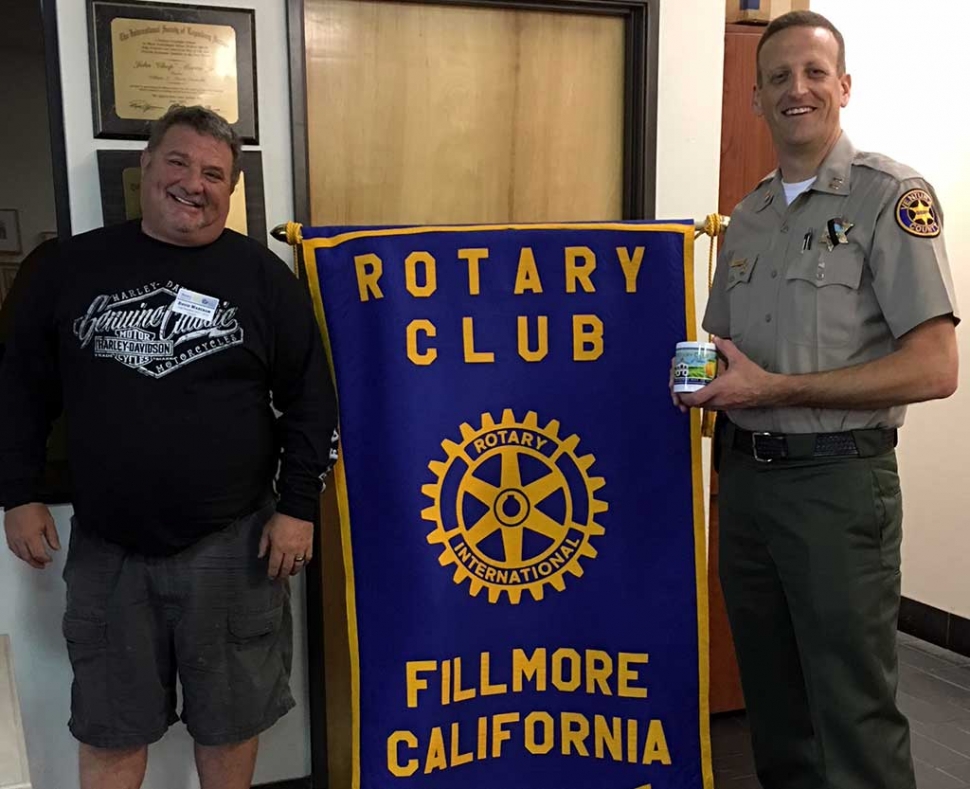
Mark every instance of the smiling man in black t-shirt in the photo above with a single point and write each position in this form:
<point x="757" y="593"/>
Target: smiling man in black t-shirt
<point x="171" y="344"/>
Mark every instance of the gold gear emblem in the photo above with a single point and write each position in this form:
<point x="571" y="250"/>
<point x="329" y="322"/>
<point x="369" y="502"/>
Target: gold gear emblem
<point x="513" y="507"/>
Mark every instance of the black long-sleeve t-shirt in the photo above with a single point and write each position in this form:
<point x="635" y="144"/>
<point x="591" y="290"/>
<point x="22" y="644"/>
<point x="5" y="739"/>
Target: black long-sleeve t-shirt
<point x="172" y="433"/>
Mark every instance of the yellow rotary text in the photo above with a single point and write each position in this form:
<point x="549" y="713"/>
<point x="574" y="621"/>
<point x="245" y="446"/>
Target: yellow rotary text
<point x="568" y="733"/>
<point x="592" y="671"/>
<point x="532" y="338"/>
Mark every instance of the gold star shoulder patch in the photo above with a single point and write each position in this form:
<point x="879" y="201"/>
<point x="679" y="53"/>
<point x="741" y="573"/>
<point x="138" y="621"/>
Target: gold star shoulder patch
<point x="916" y="215"/>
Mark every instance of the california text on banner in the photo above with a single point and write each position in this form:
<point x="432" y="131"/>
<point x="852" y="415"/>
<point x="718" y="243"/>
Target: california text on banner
<point x="520" y="504"/>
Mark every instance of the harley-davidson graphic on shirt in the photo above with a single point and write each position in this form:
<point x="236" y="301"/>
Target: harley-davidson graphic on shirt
<point x="142" y="329"/>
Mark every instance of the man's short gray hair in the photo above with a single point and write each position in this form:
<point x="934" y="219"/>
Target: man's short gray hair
<point x="203" y="121"/>
<point x="801" y="19"/>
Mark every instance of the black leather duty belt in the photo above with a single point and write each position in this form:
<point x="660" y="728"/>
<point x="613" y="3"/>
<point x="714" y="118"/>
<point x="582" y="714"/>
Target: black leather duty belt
<point x="769" y="447"/>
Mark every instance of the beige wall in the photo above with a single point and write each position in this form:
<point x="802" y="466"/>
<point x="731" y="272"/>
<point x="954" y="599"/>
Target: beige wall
<point x="907" y="70"/>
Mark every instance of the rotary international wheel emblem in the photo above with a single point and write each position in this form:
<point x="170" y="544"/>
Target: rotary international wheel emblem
<point x="514" y="507"/>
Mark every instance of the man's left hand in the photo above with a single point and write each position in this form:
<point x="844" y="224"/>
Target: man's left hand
<point x="742" y="385"/>
<point x="290" y="544"/>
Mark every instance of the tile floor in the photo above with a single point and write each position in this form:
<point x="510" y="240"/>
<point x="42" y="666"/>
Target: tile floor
<point x="934" y="692"/>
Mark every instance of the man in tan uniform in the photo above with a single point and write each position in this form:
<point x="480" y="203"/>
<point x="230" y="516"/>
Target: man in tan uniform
<point x="834" y="289"/>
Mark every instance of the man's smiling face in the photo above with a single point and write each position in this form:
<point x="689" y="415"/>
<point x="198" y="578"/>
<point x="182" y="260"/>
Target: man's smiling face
<point x="800" y="91"/>
<point x="186" y="184"/>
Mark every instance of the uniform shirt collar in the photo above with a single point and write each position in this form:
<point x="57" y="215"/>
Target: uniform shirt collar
<point x="833" y="176"/>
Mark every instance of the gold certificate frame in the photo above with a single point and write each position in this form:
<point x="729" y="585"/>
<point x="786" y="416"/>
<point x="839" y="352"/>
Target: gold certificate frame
<point x="147" y="56"/>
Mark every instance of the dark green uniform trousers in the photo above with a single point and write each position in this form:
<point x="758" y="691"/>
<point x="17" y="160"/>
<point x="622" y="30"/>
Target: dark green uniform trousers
<point x="809" y="562"/>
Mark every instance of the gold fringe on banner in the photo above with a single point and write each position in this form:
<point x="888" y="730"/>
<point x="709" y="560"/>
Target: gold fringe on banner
<point x="713" y="226"/>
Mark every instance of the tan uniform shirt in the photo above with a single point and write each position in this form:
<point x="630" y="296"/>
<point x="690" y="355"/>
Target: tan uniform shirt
<point x="794" y="303"/>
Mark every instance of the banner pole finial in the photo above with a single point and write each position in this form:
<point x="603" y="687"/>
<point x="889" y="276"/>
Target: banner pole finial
<point x="290" y="233"/>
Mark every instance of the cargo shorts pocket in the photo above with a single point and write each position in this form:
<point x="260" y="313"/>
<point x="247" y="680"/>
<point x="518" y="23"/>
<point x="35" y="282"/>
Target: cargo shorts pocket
<point x="84" y="633"/>
<point x="87" y="648"/>
<point x="236" y="689"/>
<point x="256" y="647"/>
<point x="245" y="626"/>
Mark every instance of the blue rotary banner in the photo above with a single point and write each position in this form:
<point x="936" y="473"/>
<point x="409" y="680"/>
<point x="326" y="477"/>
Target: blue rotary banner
<point x="520" y="504"/>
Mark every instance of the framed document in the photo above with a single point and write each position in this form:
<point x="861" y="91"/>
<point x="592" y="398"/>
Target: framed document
<point x="120" y="176"/>
<point x="147" y="56"/>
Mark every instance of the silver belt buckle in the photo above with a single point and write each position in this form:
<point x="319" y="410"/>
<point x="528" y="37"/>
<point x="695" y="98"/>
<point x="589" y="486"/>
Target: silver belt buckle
<point x="754" y="447"/>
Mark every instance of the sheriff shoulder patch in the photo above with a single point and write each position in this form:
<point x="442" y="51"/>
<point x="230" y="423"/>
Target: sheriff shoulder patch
<point x="916" y="215"/>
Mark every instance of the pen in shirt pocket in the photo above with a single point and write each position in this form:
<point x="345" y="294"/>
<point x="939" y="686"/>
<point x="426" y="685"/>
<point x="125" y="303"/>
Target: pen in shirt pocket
<point x="807" y="240"/>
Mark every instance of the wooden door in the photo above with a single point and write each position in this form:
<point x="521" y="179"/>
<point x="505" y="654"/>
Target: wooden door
<point x="747" y="155"/>
<point x="447" y="113"/>
<point x="444" y="113"/>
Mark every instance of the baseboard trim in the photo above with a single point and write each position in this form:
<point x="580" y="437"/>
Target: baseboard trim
<point x="290" y="783"/>
<point x="935" y="626"/>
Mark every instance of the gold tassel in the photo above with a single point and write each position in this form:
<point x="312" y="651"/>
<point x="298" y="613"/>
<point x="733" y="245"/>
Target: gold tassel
<point x="294" y="237"/>
<point x="291" y="233"/>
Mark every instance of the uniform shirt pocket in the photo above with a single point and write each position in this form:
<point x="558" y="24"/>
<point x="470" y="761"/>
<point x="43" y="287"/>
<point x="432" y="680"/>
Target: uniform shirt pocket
<point x="821" y="297"/>
<point x="739" y="292"/>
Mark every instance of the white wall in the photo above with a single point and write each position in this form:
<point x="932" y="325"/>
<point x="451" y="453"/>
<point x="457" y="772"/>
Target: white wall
<point x="914" y="115"/>
<point x="31" y="603"/>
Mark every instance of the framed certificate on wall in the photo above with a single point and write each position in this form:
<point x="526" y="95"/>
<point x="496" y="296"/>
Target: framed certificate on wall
<point x="146" y="57"/>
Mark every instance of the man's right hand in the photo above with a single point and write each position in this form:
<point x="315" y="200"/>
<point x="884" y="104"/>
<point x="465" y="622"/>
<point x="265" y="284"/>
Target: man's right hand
<point x="30" y="532"/>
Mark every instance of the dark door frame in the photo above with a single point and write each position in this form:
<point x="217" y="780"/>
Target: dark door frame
<point x="55" y="112"/>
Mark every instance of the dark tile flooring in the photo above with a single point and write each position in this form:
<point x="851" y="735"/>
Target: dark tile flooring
<point x="934" y="692"/>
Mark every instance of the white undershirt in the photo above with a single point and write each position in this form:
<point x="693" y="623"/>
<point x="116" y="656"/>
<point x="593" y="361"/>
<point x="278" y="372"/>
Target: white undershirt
<point x="794" y="190"/>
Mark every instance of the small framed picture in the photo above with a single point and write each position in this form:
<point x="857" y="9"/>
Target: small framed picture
<point x="10" y="231"/>
<point x="120" y="176"/>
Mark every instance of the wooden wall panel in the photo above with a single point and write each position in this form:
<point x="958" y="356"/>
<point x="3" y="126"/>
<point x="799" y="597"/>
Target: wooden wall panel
<point x="426" y="113"/>
<point x="747" y="153"/>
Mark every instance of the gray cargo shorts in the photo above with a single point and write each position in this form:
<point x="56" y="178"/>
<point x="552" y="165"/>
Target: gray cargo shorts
<point x="208" y="614"/>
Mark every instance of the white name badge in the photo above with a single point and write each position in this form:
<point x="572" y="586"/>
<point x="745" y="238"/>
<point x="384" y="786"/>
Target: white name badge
<point x="188" y="302"/>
